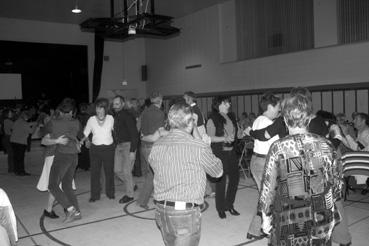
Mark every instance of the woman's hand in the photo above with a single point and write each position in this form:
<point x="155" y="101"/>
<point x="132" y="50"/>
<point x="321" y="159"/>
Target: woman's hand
<point x="62" y="140"/>
<point x="266" y="224"/>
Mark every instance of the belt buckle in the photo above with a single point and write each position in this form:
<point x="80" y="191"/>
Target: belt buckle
<point x="179" y="205"/>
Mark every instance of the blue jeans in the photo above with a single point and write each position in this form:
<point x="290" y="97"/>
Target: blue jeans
<point x="179" y="227"/>
<point x="257" y="165"/>
<point x="148" y="187"/>
<point x="123" y="166"/>
<point x="62" y="171"/>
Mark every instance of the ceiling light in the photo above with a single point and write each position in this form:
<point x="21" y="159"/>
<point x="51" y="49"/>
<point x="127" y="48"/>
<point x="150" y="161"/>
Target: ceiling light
<point x="131" y="30"/>
<point x="76" y="10"/>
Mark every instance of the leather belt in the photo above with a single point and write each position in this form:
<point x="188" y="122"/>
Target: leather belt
<point x="260" y="155"/>
<point x="173" y="204"/>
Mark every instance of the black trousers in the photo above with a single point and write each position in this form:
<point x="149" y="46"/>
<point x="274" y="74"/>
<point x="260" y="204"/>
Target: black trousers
<point x="19" y="151"/>
<point x="102" y="155"/>
<point x="225" y="195"/>
<point x="9" y="151"/>
<point x="84" y="158"/>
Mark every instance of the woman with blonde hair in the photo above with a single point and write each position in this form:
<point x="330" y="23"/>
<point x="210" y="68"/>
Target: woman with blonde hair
<point x="301" y="182"/>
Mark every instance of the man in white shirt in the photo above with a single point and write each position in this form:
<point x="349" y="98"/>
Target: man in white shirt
<point x="270" y="105"/>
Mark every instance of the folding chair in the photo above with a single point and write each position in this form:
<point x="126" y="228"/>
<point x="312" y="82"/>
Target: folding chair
<point x="245" y="158"/>
<point x="356" y="163"/>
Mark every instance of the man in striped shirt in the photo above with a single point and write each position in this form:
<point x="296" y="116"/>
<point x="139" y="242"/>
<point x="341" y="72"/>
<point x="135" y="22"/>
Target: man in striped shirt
<point x="180" y="163"/>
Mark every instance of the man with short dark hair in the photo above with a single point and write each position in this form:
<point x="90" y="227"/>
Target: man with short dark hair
<point x="126" y="138"/>
<point x="178" y="200"/>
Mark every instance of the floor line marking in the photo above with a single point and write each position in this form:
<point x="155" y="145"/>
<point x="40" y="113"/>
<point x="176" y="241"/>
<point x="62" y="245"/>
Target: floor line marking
<point x="25" y="229"/>
<point x="362" y="219"/>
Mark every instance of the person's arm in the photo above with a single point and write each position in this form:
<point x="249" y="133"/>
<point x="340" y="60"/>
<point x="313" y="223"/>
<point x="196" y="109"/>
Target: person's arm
<point x="335" y="135"/>
<point x="268" y="188"/>
<point x="151" y="137"/>
<point x="161" y="132"/>
<point x="348" y="140"/>
<point x="133" y="135"/>
<point x="277" y="128"/>
<point x="47" y="140"/>
<point x="10" y="222"/>
<point x="212" y="165"/>
<point x="87" y="131"/>
<point x="133" y="132"/>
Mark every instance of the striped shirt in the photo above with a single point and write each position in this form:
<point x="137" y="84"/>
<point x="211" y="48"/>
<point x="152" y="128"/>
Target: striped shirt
<point x="180" y="164"/>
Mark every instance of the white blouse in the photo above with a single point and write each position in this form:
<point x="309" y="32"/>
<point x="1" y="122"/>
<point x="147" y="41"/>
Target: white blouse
<point x="101" y="132"/>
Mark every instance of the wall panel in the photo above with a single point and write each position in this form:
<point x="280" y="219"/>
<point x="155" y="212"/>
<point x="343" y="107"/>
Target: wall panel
<point x="248" y="108"/>
<point x="338" y="102"/>
<point x="327" y="101"/>
<point x="255" y="104"/>
<point x="317" y="103"/>
<point x="362" y="101"/>
<point x="350" y="102"/>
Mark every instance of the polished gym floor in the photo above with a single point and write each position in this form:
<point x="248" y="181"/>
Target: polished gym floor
<point x="106" y="222"/>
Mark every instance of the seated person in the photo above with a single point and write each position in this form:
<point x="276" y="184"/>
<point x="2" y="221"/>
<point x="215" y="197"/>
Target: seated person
<point x="361" y="142"/>
<point x="8" y="223"/>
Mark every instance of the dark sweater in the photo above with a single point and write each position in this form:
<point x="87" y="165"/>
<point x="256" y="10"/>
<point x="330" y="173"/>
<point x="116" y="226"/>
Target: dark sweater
<point x="125" y="129"/>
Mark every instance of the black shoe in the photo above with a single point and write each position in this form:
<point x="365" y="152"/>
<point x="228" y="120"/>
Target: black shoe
<point x="233" y="211"/>
<point x="51" y="215"/>
<point x="23" y="174"/>
<point x="93" y="200"/>
<point x="111" y="197"/>
<point x="222" y="214"/>
<point x="347" y="244"/>
<point x="144" y="207"/>
<point x="135" y="188"/>
<point x="251" y="236"/>
<point x="125" y="199"/>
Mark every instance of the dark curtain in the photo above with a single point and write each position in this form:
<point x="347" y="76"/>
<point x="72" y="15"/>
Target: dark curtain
<point x="269" y="27"/>
<point x="98" y="64"/>
<point x="353" y="21"/>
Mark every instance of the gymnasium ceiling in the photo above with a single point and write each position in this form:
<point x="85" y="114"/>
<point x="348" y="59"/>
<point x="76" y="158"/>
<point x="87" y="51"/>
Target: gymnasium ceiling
<point x="60" y="10"/>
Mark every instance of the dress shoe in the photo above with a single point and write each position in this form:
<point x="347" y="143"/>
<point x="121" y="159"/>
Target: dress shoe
<point x="343" y="244"/>
<point x="93" y="200"/>
<point x="144" y="207"/>
<point x="233" y="211"/>
<point x="51" y="215"/>
<point x="222" y="214"/>
<point x="111" y="197"/>
<point x="125" y="199"/>
<point x="22" y="174"/>
<point x="135" y="188"/>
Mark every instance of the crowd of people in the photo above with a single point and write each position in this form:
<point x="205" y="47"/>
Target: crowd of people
<point x="295" y="161"/>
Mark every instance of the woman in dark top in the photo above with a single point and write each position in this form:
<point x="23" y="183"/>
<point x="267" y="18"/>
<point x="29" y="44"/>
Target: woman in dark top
<point x="222" y="129"/>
